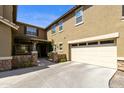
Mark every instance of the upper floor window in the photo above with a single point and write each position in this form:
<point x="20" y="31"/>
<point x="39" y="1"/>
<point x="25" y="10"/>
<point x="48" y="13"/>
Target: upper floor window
<point x="53" y="29"/>
<point x="79" y="16"/>
<point x="31" y="31"/>
<point x="123" y="10"/>
<point x="60" y="26"/>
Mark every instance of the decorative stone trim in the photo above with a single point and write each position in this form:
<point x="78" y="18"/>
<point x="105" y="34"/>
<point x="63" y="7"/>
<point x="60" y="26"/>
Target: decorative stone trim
<point x="5" y="58"/>
<point x="5" y="64"/>
<point x="120" y="58"/>
<point x="34" y="52"/>
<point x="120" y="64"/>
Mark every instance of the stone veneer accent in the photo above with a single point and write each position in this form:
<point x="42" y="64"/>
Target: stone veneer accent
<point x="5" y="64"/>
<point x="21" y="61"/>
<point x="34" y="57"/>
<point x="120" y="64"/>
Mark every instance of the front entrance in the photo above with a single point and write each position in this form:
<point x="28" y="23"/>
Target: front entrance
<point x="42" y="50"/>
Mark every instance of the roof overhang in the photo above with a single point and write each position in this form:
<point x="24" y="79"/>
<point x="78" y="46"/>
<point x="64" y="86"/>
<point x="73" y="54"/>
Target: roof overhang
<point x="67" y="13"/>
<point x="8" y="23"/>
<point x="24" y="38"/>
<point x="42" y="40"/>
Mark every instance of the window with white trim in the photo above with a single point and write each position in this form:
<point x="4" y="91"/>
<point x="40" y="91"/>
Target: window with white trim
<point x="107" y="42"/>
<point x="61" y="46"/>
<point x="31" y="31"/>
<point x="53" y="29"/>
<point x="74" y="45"/>
<point x="82" y="44"/>
<point x="93" y="43"/>
<point x="79" y="16"/>
<point x="60" y="26"/>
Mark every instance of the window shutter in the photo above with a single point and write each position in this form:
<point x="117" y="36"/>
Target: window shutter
<point x="122" y="10"/>
<point x="25" y="28"/>
<point x="37" y="32"/>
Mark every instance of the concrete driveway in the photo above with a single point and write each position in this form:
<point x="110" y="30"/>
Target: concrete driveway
<point x="63" y="75"/>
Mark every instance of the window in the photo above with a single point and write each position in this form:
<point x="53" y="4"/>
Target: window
<point x="61" y="46"/>
<point x="82" y="44"/>
<point x="93" y="43"/>
<point x="74" y="45"/>
<point x="107" y="42"/>
<point x="54" y="47"/>
<point x="53" y="29"/>
<point x="31" y="31"/>
<point x="79" y="16"/>
<point x="60" y="26"/>
<point x="22" y="49"/>
<point x="123" y="10"/>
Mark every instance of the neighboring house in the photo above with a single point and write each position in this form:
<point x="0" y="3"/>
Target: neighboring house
<point x="6" y="27"/>
<point x="27" y="37"/>
<point x="90" y="34"/>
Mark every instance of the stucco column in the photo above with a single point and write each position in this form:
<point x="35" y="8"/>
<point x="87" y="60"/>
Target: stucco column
<point x="34" y="46"/>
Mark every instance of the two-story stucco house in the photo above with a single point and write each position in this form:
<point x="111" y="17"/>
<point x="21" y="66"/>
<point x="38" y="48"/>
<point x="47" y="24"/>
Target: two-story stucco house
<point x="92" y="34"/>
<point x="87" y="34"/>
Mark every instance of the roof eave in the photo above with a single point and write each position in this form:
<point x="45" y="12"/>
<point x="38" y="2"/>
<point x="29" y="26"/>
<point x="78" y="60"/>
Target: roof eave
<point x="68" y="12"/>
<point x="18" y="22"/>
<point x="8" y="23"/>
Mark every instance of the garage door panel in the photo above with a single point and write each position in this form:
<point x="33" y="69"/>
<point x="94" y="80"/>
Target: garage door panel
<point x="104" y="56"/>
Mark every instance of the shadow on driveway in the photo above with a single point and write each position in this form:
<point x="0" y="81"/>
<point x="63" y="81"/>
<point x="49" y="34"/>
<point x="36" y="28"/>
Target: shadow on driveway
<point x="42" y="64"/>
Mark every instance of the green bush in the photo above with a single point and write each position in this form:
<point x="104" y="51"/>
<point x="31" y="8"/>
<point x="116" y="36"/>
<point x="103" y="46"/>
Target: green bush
<point x="57" y="57"/>
<point x="62" y="58"/>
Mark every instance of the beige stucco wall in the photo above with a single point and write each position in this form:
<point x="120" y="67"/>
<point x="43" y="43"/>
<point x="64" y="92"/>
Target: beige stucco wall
<point x="1" y="10"/>
<point x="5" y="40"/>
<point x="5" y="31"/>
<point x="8" y="12"/>
<point x="98" y="20"/>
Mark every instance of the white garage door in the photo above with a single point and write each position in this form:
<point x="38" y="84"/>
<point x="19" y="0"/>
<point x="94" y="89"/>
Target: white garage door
<point x="102" y="53"/>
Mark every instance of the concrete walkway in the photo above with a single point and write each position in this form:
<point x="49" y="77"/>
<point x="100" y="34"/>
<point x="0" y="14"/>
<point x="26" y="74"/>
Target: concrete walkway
<point x="63" y="75"/>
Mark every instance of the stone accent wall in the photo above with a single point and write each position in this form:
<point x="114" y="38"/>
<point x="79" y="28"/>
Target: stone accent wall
<point x="5" y="64"/>
<point x="120" y="64"/>
<point x="22" y="61"/>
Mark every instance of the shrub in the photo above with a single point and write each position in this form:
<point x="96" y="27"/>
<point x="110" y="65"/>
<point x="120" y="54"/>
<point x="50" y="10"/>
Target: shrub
<point x="50" y="55"/>
<point x="62" y="58"/>
<point x="55" y="57"/>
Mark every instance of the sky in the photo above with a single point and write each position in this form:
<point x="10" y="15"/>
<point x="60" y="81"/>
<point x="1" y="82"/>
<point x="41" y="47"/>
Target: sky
<point x="41" y="15"/>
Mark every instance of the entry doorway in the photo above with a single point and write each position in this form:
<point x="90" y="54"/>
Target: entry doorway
<point x="42" y="50"/>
